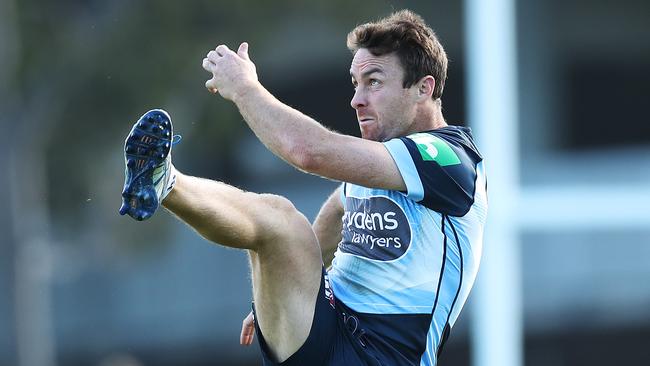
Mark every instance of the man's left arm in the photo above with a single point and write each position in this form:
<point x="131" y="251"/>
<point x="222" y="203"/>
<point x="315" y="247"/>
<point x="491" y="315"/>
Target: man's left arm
<point x="327" y="226"/>
<point x="293" y="136"/>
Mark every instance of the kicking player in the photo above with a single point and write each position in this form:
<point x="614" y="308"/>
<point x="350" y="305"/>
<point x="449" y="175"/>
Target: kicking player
<point x="403" y="233"/>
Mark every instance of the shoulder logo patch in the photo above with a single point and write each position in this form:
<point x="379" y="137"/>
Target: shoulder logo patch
<point x="433" y="148"/>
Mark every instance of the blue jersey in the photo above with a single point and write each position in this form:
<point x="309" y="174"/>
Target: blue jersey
<point x="407" y="260"/>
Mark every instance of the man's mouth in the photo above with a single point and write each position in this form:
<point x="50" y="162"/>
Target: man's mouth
<point x="365" y="120"/>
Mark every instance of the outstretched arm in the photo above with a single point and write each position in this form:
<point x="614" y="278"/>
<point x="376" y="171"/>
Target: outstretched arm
<point x="296" y="138"/>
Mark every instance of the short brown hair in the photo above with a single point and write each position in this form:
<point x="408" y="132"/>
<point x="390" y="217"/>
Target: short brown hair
<point x="415" y="44"/>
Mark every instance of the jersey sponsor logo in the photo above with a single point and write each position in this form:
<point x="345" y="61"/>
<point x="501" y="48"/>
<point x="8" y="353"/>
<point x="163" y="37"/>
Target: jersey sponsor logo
<point x="433" y="148"/>
<point x="375" y="228"/>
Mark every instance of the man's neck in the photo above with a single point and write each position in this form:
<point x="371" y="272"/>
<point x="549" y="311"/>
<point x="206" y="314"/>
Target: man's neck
<point x="438" y="120"/>
<point x="430" y="117"/>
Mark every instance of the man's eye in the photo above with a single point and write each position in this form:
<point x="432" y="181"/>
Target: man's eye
<point x="374" y="82"/>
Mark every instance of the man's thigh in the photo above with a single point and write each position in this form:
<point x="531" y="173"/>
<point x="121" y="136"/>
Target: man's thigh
<point x="285" y="256"/>
<point x="286" y="273"/>
<point x="316" y="349"/>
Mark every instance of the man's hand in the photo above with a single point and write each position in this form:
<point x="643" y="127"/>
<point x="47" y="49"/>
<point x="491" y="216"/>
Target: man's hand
<point x="231" y="72"/>
<point x="247" y="330"/>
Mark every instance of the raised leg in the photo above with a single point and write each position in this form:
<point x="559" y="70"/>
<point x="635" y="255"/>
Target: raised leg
<point x="285" y="256"/>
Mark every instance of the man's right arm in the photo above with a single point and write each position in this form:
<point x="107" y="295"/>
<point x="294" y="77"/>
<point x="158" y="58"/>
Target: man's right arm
<point x="296" y="138"/>
<point x="327" y="226"/>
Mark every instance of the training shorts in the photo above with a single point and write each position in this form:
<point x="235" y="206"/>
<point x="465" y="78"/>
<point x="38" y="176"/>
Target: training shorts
<point x="337" y="336"/>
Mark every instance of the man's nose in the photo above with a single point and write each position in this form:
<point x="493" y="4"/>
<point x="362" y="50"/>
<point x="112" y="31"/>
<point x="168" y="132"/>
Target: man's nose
<point x="358" y="99"/>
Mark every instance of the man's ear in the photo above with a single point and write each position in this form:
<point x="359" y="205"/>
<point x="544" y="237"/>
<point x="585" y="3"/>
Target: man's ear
<point x="425" y="87"/>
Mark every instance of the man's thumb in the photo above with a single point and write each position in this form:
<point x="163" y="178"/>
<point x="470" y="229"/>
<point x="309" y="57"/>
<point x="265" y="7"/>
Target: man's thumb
<point x="243" y="51"/>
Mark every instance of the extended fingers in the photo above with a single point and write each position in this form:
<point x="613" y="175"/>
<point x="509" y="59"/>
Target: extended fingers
<point x="247" y="336"/>
<point x="223" y="62"/>
<point x="247" y="331"/>
<point x="211" y="86"/>
<point x="220" y="51"/>
<point x="208" y="65"/>
<point x="223" y="50"/>
<point x="213" y="56"/>
<point x="242" y="51"/>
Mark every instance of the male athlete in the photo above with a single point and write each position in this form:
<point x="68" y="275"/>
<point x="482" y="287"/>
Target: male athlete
<point x="403" y="233"/>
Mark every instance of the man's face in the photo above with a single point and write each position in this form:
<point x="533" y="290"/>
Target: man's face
<point x="384" y="108"/>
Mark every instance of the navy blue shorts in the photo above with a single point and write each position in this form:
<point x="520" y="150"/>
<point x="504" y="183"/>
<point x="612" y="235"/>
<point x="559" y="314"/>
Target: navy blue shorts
<point x="336" y="336"/>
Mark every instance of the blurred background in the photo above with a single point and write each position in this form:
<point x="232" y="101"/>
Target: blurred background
<point x="81" y="285"/>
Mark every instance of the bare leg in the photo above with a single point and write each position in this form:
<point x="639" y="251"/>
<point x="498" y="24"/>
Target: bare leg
<point x="285" y="257"/>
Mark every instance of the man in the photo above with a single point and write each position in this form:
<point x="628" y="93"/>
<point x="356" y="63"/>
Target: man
<point x="403" y="234"/>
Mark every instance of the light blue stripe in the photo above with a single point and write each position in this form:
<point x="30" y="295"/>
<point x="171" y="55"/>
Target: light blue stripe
<point x="449" y="286"/>
<point x="429" y="356"/>
<point x="406" y="166"/>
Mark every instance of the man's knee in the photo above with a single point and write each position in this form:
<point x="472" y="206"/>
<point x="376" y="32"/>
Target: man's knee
<point x="282" y="224"/>
<point x="277" y="204"/>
